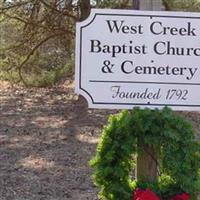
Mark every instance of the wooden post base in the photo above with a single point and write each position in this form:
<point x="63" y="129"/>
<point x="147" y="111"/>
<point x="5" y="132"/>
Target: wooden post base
<point x="147" y="169"/>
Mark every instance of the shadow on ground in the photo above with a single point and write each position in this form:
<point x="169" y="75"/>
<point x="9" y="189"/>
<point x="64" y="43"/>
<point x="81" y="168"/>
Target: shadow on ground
<point x="47" y="137"/>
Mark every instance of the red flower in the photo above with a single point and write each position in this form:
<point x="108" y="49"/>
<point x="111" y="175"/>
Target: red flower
<point x="183" y="196"/>
<point x="147" y="194"/>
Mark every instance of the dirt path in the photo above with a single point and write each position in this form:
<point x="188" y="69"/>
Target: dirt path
<point x="47" y="137"/>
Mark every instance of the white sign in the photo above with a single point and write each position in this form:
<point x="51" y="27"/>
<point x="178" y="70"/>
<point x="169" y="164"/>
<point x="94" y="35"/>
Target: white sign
<point x="127" y="58"/>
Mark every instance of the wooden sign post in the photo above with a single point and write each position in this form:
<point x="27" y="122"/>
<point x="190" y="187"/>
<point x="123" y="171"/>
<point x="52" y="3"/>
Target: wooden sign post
<point x="147" y="164"/>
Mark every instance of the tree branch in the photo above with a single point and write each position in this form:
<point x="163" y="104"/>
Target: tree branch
<point x="14" y="5"/>
<point x="58" y="11"/>
<point x="37" y="24"/>
<point x="31" y="53"/>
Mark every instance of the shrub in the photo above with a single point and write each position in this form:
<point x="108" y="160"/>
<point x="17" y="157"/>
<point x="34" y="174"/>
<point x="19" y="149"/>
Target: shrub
<point x="168" y="133"/>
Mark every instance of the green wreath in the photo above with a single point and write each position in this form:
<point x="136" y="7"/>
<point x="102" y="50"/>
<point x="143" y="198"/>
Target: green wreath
<point x="170" y="134"/>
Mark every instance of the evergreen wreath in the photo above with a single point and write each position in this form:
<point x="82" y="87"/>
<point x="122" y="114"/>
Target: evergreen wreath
<point x="170" y="134"/>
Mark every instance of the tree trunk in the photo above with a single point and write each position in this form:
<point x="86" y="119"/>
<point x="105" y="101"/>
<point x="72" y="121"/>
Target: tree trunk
<point x="136" y="4"/>
<point x="85" y="9"/>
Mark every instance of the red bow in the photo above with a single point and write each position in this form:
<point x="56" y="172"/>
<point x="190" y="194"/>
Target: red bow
<point x="140" y="194"/>
<point x="147" y="194"/>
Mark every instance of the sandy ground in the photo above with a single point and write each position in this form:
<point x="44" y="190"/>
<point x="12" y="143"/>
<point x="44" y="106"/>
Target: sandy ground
<point x="47" y="137"/>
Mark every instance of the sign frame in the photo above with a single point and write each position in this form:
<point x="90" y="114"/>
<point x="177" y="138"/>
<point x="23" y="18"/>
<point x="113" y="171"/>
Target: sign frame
<point x="79" y="73"/>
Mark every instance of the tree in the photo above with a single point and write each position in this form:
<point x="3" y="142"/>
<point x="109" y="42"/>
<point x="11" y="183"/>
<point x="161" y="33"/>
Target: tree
<point x="38" y="29"/>
<point x="182" y="5"/>
<point x="41" y="36"/>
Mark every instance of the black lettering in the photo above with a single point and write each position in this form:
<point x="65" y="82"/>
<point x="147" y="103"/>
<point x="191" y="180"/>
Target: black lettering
<point x="153" y="29"/>
<point x="125" y="29"/>
<point x="174" y="31"/>
<point x="106" y="49"/>
<point x="127" y="64"/>
<point x="175" y="71"/>
<point x="95" y="46"/>
<point x="134" y="30"/>
<point x="161" y="70"/>
<point x="115" y="50"/>
<point x="116" y="90"/>
<point x="191" y="30"/>
<point x="160" y="50"/>
<point x="197" y="52"/>
<point x="183" y="31"/>
<point x="114" y="26"/>
<point x="137" y="50"/>
<point x="138" y="70"/>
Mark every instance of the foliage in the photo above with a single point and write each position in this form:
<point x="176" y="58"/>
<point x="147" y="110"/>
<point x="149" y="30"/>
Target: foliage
<point x="122" y="4"/>
<point x="182" y="5"/>
<point x="170" y="134"/>
<point x="41" y="33"/>
<point x="40" y="39"/>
